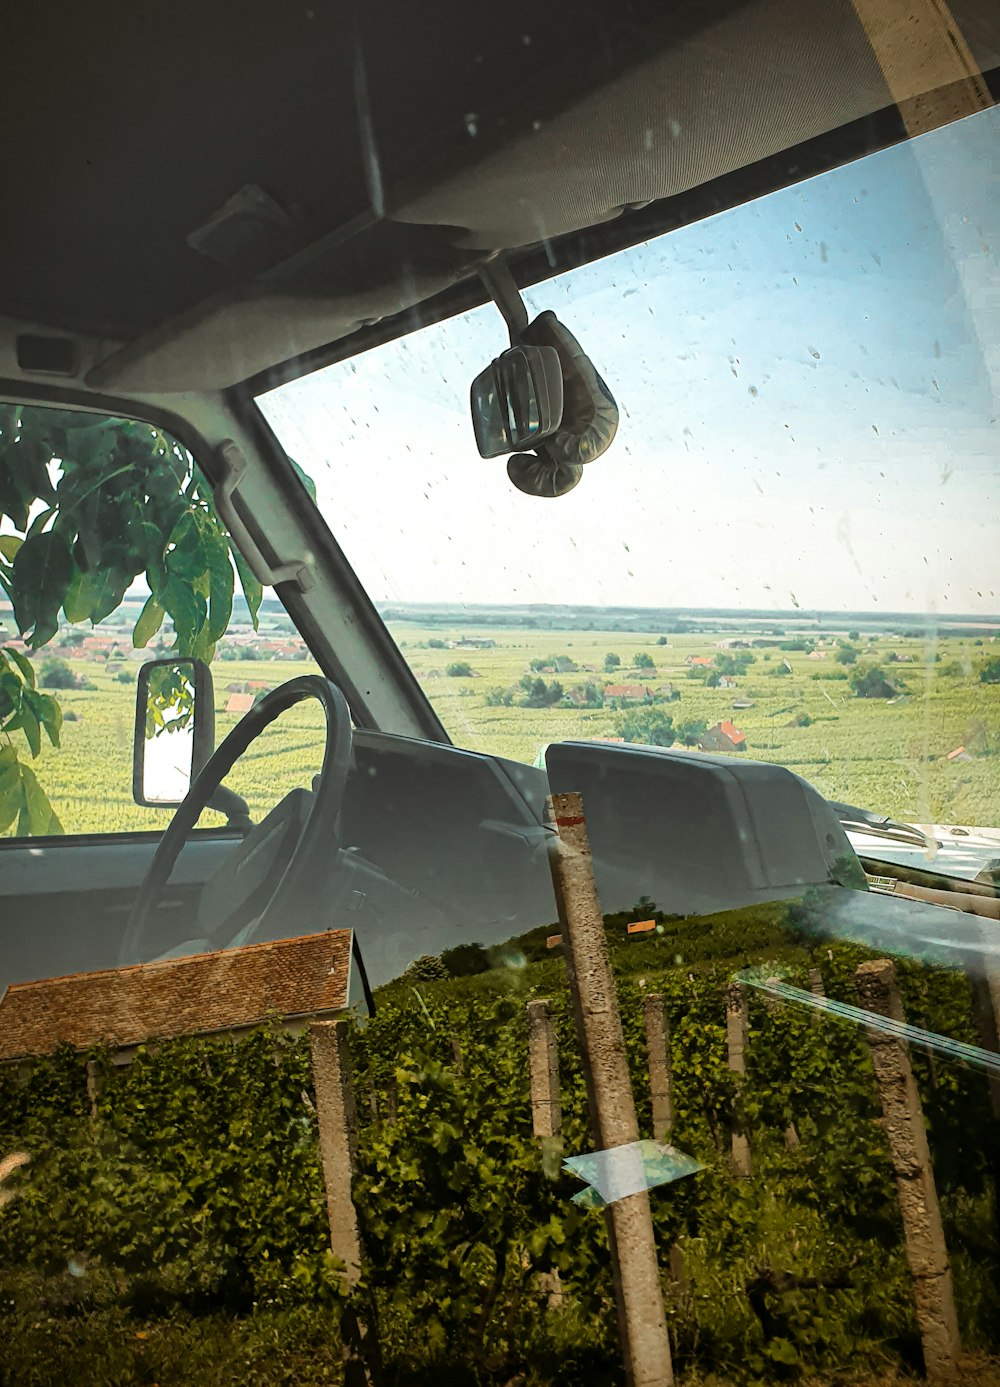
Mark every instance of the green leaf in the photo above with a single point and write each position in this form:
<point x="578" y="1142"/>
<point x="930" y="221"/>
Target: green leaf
<point x="220" y="592"/>
<point x="39" y="813"/>
<point x="149" y="622"/>
<point x="10" y="787"/>
<point x="30" y="726"/>
<point x="305" y="479"/>
<point x="187" y="609"/>
<point x="9" y="545"/>
<point x="48" y="713"/>
<point x="23" y="664"/>
<point x="43" y="569"/>
<point x="95" y="595"/>
<point x="252" y="590"/>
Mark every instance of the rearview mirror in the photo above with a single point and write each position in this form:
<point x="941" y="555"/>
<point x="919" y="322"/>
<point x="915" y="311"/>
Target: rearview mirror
<point x="174" y="730"/>
<point x="517" y="402"/>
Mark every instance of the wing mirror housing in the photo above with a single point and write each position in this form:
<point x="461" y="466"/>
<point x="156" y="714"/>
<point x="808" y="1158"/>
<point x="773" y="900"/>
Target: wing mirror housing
<point x="174" y="730"/>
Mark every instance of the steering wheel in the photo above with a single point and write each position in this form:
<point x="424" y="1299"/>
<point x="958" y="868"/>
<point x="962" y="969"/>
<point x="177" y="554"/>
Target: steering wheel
<point x="285" y="868"/>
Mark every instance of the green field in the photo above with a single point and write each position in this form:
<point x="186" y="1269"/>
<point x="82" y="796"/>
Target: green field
<point x="885" y="755"/>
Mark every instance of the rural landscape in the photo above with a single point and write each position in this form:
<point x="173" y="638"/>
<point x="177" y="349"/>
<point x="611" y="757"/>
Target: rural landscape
<point x="895" y="715"/>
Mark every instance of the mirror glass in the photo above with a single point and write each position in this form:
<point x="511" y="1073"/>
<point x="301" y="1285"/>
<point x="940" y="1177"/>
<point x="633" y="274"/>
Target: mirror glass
<point x="168" y="752"/>
<point x="517" y="401"/>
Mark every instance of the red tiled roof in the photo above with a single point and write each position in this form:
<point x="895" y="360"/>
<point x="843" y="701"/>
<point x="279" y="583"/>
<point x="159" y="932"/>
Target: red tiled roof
<point x="625" y="691"/>
<point x="239" y="703"/>
<point x="195" y="995"/>
<point x="733" y="733"/>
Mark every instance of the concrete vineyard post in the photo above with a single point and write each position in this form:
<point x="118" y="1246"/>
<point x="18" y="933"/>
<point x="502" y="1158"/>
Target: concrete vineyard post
<point x="736" y="1044"/>
<point x="543" y="1060"/>
<point x="986" y="1002"/>
<point x="661" y="1075"/>
<point x="926" y="1253"/>
<point x="94" y="1086"/>
<point x="337" y="1121"/>
<point x="635" y="1272"/>
<point x="773" y="1005"/>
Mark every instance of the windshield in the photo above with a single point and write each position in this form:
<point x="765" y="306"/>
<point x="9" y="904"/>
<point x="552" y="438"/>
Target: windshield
<point x="789" y="551"/>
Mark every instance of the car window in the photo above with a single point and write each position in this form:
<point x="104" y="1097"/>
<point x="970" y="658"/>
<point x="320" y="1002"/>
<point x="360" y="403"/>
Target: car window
<point x="788" y="553"/>
<point x="111" y="554"/>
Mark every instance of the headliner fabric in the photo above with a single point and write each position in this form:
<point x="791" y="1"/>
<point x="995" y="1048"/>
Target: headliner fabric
<point x="762" y="80"/>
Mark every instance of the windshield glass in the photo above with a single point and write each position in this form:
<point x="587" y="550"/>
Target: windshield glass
<point x="790" y="549"/>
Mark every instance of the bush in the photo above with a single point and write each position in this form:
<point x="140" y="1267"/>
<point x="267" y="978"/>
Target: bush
<point x="465" y="960"/>
<point x="460" y="670"/>
<point x="647" y="726"/>
<point x="125" y="676"/>
<point x="427" y="968"/>
<point x="990" y="672"/>
<point x="869" y="681"/>
<point x="56" y="674"/>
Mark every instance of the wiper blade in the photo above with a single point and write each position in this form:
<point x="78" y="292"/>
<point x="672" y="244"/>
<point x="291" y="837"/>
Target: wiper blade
<point x="881" y="826"/>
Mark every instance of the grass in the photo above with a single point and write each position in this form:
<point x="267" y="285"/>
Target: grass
<point x="884" y="755"/>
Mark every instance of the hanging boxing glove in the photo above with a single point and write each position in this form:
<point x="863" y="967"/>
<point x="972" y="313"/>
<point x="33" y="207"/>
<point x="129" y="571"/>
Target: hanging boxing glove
<point x="589" y="419"/>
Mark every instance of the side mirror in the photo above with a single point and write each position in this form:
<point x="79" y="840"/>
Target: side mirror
<point x="174" y="730"/>
<point x="517" y="402"/>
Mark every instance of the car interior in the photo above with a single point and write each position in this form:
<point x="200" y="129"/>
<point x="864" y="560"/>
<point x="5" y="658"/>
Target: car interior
<point x="292" y="233"/>
<point x="209" y="204"/>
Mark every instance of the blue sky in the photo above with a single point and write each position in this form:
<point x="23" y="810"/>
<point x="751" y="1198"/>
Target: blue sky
<point x="809" y="389"/>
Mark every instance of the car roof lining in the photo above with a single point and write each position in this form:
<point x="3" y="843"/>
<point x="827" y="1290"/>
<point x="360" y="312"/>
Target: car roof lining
<point x="595" y="145"/>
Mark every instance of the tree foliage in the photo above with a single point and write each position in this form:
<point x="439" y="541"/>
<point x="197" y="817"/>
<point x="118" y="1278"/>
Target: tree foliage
<point x="647" y="726"/>
<point x="96" y="504"/>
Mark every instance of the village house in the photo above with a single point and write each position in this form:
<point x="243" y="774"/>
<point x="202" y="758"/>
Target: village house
<point x="628" y="693"/>
<point x="226" y="992"/>
<point x="727" y="681"/>
<point x="724" y="736"/>
<point x="698" y="661"/>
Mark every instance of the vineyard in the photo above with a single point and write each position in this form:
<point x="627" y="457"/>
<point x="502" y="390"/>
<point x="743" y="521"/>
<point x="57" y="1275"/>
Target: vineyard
<point x="889" y="756"/>
<point x="183" y="1221"/>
